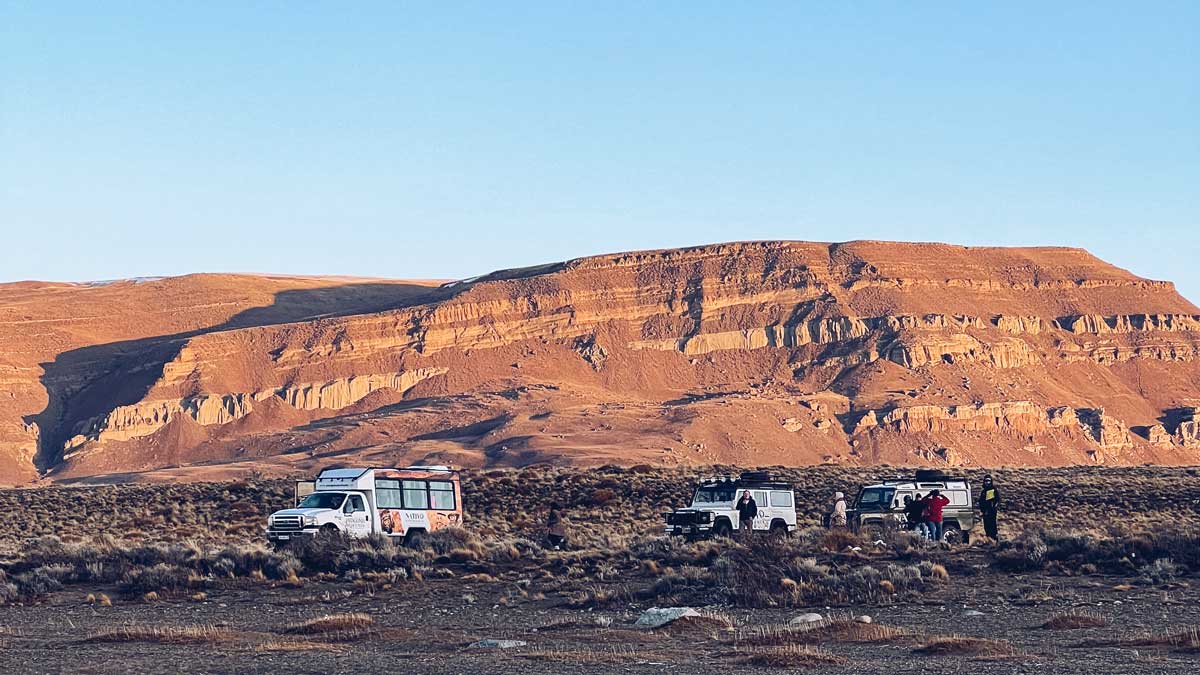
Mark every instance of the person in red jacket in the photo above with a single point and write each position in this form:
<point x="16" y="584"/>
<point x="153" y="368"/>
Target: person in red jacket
<point x="934" y="504"/>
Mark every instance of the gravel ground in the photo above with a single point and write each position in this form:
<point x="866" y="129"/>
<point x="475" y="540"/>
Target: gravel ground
<point x="426" y="627"/>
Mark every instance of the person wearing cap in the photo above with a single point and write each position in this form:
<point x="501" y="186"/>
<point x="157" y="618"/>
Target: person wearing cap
<point x="837" y="517"/>
<point x="989" y="504"/>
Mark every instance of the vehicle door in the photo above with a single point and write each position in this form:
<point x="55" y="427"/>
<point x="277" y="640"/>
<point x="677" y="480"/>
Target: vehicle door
<point x="356" y="517"/>
<point x="783" y="505"/>
<point x="763" y="520"/>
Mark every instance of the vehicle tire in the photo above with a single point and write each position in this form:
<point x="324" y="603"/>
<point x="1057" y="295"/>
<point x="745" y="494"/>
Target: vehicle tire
<point x="413" y="538"/>
<point x="329" y="528"/>
<point x="722" y="529"/>
<point x="779" y="529"/>
<point x="951" y="534"/>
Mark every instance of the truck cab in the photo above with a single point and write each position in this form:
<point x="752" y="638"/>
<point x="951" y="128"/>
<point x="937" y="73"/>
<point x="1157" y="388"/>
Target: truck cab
<point x="881" y="505"/>
<point x="404" y="502"/>
<point x="713" y="511"/>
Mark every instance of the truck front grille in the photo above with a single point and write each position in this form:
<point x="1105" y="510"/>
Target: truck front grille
<point x="288" y="523"/>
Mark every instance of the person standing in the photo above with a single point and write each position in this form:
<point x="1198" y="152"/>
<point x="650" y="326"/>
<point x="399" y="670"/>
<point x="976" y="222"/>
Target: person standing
<point x="556" y="527"/>
<point x="837" y="517"/>
<point x="747" y="511"/>
<point x="934" y="504"/>
<point x="914" y="513"/>
<point x="989" y="504"/>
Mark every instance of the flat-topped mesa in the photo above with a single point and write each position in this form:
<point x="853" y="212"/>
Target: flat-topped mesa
<point x="146" y="417"/>
<point x="880" y="324"/>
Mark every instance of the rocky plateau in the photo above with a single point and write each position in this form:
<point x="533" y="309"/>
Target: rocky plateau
<point x="761" y="353"/>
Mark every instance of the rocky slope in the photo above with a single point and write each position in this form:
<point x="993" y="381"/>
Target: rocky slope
<point x="755" y="353"/>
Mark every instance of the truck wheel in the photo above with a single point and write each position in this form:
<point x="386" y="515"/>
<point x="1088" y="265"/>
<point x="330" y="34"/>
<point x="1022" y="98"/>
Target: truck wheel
<point x="779" y="529"/>
<point x="722" y="529"/>
<point x="953" y="536"/>
<point x="413" y="538"/>
<point x="329" y="528"/>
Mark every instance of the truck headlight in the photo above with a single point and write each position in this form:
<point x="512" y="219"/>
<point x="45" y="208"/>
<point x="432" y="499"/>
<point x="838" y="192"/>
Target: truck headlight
<point x="310" y="521"/>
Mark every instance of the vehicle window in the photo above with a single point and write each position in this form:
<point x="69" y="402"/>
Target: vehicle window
<point x="714" y="495"/>
<point x="415" y="494"/>
<point x="441" y="495"/>
<point x="783" y="499"/>
<point x="760" y="498"/>
<point x="872" y="497"/>
<point x="387" y="494"/>
<point x="957" y="498"/>
<point x="356" y="503"/>
<point x="898" y="499"/>
<point x="323" y="500"/>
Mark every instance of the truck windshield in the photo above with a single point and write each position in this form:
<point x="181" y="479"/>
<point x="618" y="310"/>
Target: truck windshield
<point x="714" y="495"/>
<point x="322" y="500"/>
<point x="871" y="498"/>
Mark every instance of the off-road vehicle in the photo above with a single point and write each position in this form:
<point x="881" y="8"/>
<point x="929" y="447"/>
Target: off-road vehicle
<point x="881" y="506"/>
<point x="714" y="507"/>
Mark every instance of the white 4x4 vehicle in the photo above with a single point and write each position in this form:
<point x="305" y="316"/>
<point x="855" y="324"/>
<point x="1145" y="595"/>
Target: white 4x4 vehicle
<point x="714" y="507"/>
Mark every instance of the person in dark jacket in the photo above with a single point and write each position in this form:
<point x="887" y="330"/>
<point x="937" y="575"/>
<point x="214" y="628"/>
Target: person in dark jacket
<point x="914" y="512"/>
<point x="747" y="510"/>
<point x="989" y="504"/>
<point x="556" y="527"/>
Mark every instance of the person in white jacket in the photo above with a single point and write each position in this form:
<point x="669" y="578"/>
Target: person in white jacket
<point x="837" y="518"/>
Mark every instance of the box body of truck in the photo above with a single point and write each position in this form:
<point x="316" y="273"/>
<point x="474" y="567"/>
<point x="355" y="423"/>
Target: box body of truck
<point x="397" y="502"/>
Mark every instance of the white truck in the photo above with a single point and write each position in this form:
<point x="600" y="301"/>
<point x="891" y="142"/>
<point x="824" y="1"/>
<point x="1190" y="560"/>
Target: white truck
<point x="404" y="503"/>
<point x="714" y="507"/>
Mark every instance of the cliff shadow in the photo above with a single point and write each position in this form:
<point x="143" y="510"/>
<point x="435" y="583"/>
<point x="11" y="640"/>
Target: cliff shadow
<point x="87" y="383"/>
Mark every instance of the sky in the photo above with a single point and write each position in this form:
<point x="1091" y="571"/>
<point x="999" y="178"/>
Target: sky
<point x="444" y="140"/>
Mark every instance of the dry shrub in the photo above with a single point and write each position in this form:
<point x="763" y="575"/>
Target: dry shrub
<point x="1074" y="620"/>
<point x="604" y="654"/>
<point x="773" y="573"/>
<point x="838" y="539"/>
<point x="596" y="596"/>
<point x="789" y="656"/>
<point x="707" y="623"/>
<point x="173" y="635"/>
<point x="602" y="497"/>
<point x="297" y="646"/>
<point x="332" y="623"/>
<point x="840" y="630"/>
<point x="1187" y="641"/>
<point x="965" y="646"/>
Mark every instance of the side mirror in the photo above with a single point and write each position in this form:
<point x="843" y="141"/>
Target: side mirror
<point x="347" y="509"/>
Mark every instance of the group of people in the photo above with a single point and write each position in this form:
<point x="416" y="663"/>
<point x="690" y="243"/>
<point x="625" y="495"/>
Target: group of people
<point x="922" y="513"/>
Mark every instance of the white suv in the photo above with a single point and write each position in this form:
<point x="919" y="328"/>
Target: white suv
<point x="714" y="507"/>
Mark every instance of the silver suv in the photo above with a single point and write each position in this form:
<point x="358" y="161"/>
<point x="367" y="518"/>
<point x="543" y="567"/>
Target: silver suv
<point x="881" y="505"/>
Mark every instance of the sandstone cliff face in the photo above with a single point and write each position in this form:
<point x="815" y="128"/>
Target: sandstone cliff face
<point x="146" y="417"/>
<point x="986" y="347"/>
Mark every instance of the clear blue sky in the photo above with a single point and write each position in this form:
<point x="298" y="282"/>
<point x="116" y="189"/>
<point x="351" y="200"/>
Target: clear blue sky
<point x="448" y="139"/>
